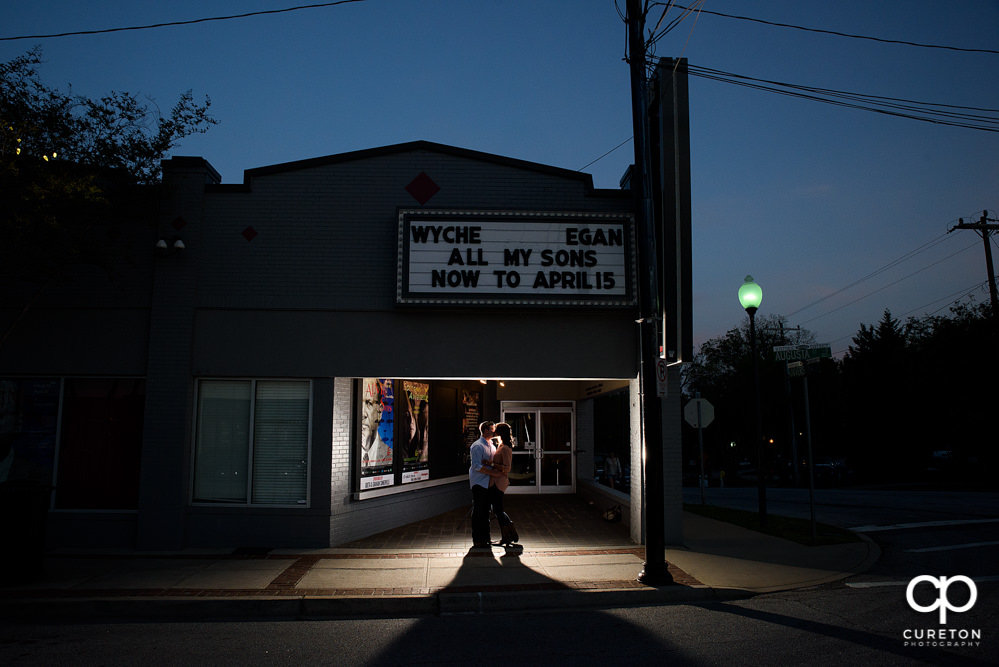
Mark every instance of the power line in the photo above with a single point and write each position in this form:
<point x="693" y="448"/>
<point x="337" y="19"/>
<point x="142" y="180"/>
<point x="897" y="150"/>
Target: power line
<point x="605" y="154"/>
<point x="931" y="112"/>
<point x="889" y="265"/>
<point x="941" y="114"/>
<point x="881" y="289"/>
<point x="176" y="23"/>
<point x="947" y="298"/>
<point x="840" y="34"/>
<point x="904" y="103"/>
<point x="687" y="11"/>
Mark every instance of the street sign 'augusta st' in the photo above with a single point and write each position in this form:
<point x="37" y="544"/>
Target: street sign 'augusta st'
<point x="801" y="352"/>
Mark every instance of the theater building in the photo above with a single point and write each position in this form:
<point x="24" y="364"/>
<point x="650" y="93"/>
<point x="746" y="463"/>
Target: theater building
<point x="302" y="359"/>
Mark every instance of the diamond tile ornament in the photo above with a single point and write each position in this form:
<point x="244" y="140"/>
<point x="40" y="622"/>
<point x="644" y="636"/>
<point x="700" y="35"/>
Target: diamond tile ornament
<point x="249" y="233"/>
<point x="178" y="223"/>
<point x="422" y="188"/>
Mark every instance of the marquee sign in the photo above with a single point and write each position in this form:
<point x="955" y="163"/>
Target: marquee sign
<point x="515" y="258"/>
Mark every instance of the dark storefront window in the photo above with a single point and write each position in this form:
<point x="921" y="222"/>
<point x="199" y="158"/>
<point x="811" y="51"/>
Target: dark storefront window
<point x="29" y="415"/>
<point x="612" y="435"/>
<point x="252" y="444"/>
<point x="99" y="433"/>
<point x="428" y="441"/>
<point x="100" y="447"/>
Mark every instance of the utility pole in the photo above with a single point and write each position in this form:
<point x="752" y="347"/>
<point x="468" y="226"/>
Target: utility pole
<point x="790" y="406"/>
<point x="655" y="571"/>
<point x="984" y="230"/>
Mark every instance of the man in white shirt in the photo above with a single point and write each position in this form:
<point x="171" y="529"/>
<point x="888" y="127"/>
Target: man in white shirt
<point x="482" y="451"/>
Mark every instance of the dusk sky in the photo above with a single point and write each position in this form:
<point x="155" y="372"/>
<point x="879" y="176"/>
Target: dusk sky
<point x="817" y="202"/>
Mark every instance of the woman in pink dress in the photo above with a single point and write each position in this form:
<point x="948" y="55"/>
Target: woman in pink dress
<point x="502" y="460"/>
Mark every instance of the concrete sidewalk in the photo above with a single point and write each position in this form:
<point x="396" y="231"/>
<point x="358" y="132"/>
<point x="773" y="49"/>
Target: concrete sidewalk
<point x="719" y="561"/>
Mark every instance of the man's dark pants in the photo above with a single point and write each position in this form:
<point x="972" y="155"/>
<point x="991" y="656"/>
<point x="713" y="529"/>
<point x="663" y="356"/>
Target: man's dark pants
<point x="480" y="514"/>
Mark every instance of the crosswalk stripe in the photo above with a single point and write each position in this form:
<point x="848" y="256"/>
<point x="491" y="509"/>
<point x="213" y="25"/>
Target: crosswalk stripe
<point x="925" y="524"/>
<point x="951" y="547"/>
<point x="878" y="584"/>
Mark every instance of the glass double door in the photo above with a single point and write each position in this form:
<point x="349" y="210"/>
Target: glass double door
<point x="543" y="460"/>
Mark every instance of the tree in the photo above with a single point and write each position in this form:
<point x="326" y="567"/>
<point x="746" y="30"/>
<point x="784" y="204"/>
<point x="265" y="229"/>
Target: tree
<point x="72" y="173"/>
<point x="885" y="343"/>
<point x="957" y="366"/>
<point x="116" y="131"/>
<point x="877" y="383"/>
<point x="722" y="371"/>
<point x="719" y="360"/>
<point x="915" y="396"/>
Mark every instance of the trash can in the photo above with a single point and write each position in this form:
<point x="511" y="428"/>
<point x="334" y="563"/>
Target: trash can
<point x="24" y="508"/>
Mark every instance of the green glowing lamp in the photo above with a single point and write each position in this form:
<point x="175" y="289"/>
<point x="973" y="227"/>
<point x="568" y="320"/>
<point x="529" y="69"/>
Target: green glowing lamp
<point x="750" y="295"/>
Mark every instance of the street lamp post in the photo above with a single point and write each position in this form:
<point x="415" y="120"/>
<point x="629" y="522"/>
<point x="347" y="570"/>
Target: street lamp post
<point x="750" y="296"/>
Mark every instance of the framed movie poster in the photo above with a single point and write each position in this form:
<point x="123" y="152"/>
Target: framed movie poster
<point x="377" y="430"/>
<point x="416" y="431"/>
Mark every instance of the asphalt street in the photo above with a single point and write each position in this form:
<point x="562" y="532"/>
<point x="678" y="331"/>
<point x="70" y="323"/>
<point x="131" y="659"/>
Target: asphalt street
<point x="832" y="625"/>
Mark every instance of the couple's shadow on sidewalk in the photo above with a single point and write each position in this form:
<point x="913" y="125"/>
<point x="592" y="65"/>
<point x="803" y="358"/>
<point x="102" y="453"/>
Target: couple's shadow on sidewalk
<point x="486" y="616"/>
<point x="492" y="571"/>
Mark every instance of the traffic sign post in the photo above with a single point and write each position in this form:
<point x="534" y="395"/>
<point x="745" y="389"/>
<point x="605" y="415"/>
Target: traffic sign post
<point x="811" y="461"/>
<point x="661" y="375"/>
<point x="699" y="413"/>
<point x="798" y="357"/>
<point x="802" y="352"/>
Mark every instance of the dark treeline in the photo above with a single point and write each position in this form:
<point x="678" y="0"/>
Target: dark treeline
<point x="911" y="402"/>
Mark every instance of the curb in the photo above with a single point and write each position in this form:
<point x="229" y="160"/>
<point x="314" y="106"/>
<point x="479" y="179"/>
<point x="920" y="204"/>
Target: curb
<point x="499" y="601"/>
<point x="136" y="609"/>
<point x="57" y="610"/>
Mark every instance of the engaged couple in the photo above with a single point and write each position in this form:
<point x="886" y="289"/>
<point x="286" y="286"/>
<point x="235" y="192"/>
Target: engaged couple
<point x="488" y="476"/>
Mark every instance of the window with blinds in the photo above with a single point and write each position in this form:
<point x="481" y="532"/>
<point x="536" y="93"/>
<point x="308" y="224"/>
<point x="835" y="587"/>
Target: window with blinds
<point x="280" y="443"/>
<point x="252" y="444"/>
